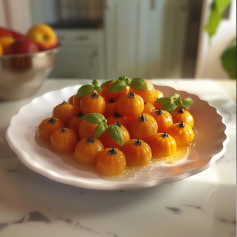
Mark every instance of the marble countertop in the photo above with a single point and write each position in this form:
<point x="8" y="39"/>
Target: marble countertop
<point x="203" y="205"/>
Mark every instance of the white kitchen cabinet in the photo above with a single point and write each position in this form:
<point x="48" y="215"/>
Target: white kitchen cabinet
<point x="174" y="21"/>
<point x="81" y="54"/>
<point x="125" y="23"/>
<point x="145" y="38"/>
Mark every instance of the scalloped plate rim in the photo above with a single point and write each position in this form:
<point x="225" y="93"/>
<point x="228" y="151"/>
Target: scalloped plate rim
<point x="112" y="185"/>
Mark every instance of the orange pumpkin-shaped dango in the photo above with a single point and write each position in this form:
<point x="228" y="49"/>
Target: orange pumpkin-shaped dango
<point x="109" y="142"/>
<point x="70" y="100"/>
<point x="63" y="140"/>
<point x="87" y="149"/>
<point x="148" y="94"/>
<point x="143" y="127"/>
<point x="137" y="152"/>
<point x="110" y="107"/>
<point x="182" y="133"/>
<point x="86" y="129"/>
<point x="48" y="126"/>
<point x="110" y="162"/>
<point x="124" y="120"/>
<point x="112" y="95"/>
<point x="75" y="121"/>
<point x="76" y="101"/>
<point x="162" y="145"/>
<point x="92" y="103"/>
<point x="182" y="114"/>
<point x="149" y="108"/>
<point x="158" y="94"/>
<point x="130" y="104"/>
<point x="65" y="111"/>
<point x="163" y="119"/>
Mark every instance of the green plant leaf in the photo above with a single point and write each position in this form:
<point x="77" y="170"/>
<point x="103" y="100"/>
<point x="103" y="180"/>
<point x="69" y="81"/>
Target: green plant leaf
<point x="163" y="99"/>
<point x="228" y="60"/>
<point x="171" y="98"/>
<point x="221" y="5"/>
<point x="94" y="118"/>
<point x="118" y="86"/>
<point x="85" y="90"/>
<point x="187" y="102"/>
<point x="116" y="134"/>
<point x="217" y="9"/>
<point x="95" y="83"/>
<point x="138" y="84"/>
<point x="98" y="89"/>
<point x="99" y="130"/>
<point x="178" y="103"/>
<point x="172" y="102"/>
<point x="106" y="83"/>
<point x="125" y="79"/>
<point x="174" y="97"/>
<point x="169" y="106"/>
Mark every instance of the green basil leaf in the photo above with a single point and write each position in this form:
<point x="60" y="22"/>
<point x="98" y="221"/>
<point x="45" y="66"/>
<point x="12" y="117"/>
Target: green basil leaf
<point x="125" y="79"/>
<point x="106" y="83"/>
<point x="98" y="89"/>
<point x="99" y="130"/>
<point x="187" y="102"/>
<point x="169" y="106"/>
<point x="94" y="118"/>
<point x="179" y="103"/>
<point x="163" y="99"/>
<point x="116" y="134"/>
<point x="95" y="83"/>
<point x="175" y="97"/>
<point x="138" y="84"/>
<point x="85" y="90"/>
<point x="118" y="86"/>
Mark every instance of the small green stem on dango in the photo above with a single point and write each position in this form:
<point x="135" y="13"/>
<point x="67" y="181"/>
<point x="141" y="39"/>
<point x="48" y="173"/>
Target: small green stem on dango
<point x="116" y="115"/>
<point x="63" y="130"/>
<point x="181" y="110"/>
<point x="181" y="125"/>
<point x="94" y="95"/>
<point x="52" y="120"/>
<point x="159" y="111"/>
<point x="138" y="142"/>
<point x="165" y="135"/>
<point x="111" y="100"/>
<point x="131" y="94"/>
<point x="89" y="140"/>
<point x="112" y="151"/>
<point x="118" y="124"/>
<point x="80" y="114"/>
<point x="143" y="118"/>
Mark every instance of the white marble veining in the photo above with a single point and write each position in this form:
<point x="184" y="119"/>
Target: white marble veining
<point x="203" y="205"/>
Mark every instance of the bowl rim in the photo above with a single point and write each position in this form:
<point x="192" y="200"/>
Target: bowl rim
<point x="36" y="54"/>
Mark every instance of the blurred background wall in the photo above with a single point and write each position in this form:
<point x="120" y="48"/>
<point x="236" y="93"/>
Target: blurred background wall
<point x="136" y="38"/>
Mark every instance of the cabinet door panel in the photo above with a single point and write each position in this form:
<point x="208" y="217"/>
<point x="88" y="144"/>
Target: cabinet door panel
<point x="126" y="37"/>
<point x="76" y="61"/>
<point x="156" y="30"/>
<point x="126" y="34"/>
<point x="145" y="38"/>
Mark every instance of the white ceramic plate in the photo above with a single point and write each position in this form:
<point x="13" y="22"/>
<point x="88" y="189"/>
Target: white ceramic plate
<point x="210" y="145"/>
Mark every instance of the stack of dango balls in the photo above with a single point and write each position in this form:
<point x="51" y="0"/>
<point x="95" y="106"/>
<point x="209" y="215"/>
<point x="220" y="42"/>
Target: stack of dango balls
<point x="121" y="123"/>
